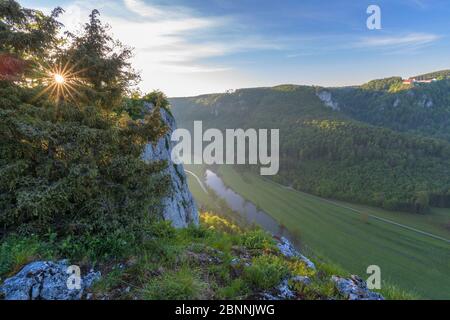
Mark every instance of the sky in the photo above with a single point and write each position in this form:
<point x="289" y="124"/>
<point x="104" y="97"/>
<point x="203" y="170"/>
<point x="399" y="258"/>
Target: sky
<point x="187" y="48"/>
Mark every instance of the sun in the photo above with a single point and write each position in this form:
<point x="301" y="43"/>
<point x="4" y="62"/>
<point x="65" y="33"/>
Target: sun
<point x="62" y="82"/>
<point x="59" y="79"/>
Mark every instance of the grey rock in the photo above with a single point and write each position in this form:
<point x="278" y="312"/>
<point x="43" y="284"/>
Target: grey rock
<point x="281" y="292"/>
<point x="179" y="206"/>
<point x="426" y="102"/>
<point x="45" y="280"/>
<point x="287" y="249"/>
<point x="396" y="103"/>
<point x="302" y="279"/>
<point x="355" y="288"/>
<point x="327" y="99"/>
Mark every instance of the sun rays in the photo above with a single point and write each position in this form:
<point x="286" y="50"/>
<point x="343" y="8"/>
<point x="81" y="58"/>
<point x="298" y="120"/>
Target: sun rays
<point x="62" y="82"/>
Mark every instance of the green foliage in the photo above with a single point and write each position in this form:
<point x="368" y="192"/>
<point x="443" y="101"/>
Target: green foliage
<point x="329" y="154"/>
<point x="183" y="284"/>
<point x="237" y="289"/>
<point x="103" y="63"/>
<point x="160" y="229"/>
<point x="257" y="239"/>
<point x="27" y="31"/>
<point x="266" y="272"/>
<point x="165" y="265"/>
<point x="382" y="84"/>
<point x="75" y="169"/>
<point x="319" y="289"/>
<point x="157" y="98"/>
<point x="15" y="252"/>
<point x="421" y="109"/>
<point x="438" y="75"/>
<point x="392" y="292"/>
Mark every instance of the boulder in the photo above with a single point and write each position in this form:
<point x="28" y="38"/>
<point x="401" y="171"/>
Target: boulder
<point x="179" y="206"/>
<point x="45" y="280"/>
<point x="355" y="288"/>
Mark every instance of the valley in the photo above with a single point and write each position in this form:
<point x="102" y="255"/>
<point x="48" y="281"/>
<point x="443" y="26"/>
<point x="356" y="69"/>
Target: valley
<point x="414" y="261"/>
<point x="374" y="144"/>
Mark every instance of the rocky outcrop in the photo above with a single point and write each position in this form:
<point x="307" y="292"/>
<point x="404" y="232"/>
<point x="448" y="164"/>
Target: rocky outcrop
<point x="327" y="99"/>
<point x="284" y="290"/>
<point x="355" y="288"/>
<point x="179" y="206"/>
<point x="46" y="280"/>
<point x="287" y="249"/>
<point x="281" y="292"/>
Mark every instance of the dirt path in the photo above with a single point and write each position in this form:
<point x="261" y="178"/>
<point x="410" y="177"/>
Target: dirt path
<point x="200" y="182"/>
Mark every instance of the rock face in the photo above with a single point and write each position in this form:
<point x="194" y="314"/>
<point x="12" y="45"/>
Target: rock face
<point x="179" y="207"/>
<point x="45" y="280"/>
<point x="327" y="99"/>
<point x="355" y="288"/>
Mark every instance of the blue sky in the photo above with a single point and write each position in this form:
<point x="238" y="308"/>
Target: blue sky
<point x="199" y="46"/>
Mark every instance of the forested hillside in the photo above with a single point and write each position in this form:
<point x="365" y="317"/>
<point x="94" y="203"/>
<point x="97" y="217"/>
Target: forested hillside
<point x="368" y="144"/>
<point x="422" y="108"/>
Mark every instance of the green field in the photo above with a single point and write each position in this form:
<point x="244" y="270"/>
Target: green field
<point x="416" y="262"/>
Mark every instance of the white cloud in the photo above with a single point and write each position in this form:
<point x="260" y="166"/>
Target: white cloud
<point x="171" y="41"/>
<point x="407" y="41"/>
<point x="144" y="10"/>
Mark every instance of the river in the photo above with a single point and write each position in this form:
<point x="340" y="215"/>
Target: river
<point x="245" y="208"/>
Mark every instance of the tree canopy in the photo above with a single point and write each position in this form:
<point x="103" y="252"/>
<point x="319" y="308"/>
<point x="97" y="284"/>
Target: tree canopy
<point x="73" y="168"/>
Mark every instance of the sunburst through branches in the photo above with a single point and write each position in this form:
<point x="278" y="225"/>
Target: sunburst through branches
<point x="62" y="82"/>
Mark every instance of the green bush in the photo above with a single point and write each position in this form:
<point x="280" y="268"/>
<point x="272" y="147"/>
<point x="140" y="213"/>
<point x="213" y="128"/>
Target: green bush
<point x="257" y="239"/>
<point x="237" y="289"/>
<point x="265" y="272"/>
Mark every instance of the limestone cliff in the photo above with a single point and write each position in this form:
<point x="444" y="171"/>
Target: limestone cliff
<point x="179" y="206"/>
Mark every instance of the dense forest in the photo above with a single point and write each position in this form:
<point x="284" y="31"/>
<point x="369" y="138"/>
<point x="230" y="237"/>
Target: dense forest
<point x="422" y="108"/>
<point x="382" y="144"/>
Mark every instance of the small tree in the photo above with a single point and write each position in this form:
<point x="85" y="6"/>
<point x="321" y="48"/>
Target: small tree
<point x="104" y="63"/>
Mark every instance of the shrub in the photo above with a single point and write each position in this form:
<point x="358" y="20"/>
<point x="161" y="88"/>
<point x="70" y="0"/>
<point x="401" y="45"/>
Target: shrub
<point x="299" y="268"/>
<point x="237" y="289"/>
<point x="76" y="171"/>
<point x="265" y="272"/>
<point x="257" y="239"/>
<point x="214" y="222"/>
